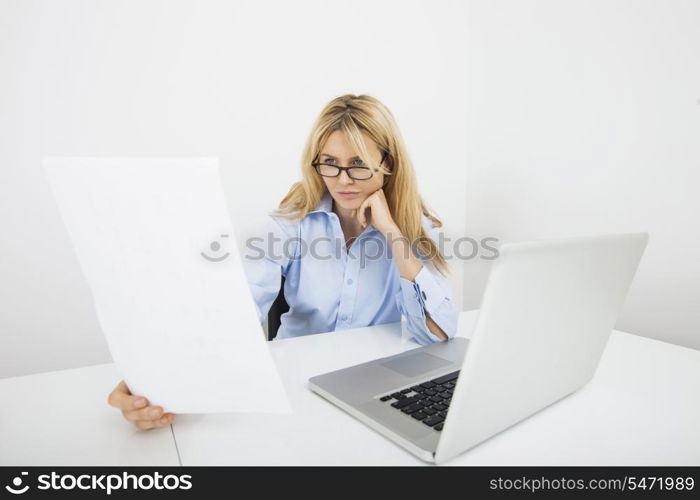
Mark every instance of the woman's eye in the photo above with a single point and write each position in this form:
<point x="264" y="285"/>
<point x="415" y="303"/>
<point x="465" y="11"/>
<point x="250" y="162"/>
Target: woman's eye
<point x="329" y="160"/>
<point x="357" y="163"/>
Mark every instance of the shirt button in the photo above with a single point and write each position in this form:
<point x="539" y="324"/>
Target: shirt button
<point x="349" y="282"/>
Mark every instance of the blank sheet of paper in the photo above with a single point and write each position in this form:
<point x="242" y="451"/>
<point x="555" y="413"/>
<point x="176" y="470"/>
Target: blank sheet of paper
<point x="157" y="248"/>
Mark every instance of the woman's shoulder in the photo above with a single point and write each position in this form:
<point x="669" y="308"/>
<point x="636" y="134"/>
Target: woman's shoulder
<point x="279" y="225"/>
<point x="295" y="225"/>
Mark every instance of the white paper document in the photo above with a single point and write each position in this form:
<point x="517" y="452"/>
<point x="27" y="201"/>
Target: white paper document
<point x="157" y="248"/>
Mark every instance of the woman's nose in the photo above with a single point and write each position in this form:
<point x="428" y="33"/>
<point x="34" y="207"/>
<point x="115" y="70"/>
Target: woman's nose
<point x="345" y="178"/>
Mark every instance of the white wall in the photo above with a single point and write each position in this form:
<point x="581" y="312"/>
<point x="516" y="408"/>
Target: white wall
<point x="580" y="117"/>
<point x="584" y="117"/>
<point x="239" y="80"/>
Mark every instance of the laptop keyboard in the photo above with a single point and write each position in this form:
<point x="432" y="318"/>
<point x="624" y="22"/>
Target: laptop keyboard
<point x="427" y="402"/>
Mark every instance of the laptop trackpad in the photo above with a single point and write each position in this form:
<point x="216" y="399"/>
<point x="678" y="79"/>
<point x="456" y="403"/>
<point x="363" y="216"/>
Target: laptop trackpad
<point x="415" y="364"/>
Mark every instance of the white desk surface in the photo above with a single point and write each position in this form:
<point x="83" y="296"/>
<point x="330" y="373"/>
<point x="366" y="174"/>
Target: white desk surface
<point x="641" y="408"/>
<point x="62" y="418"/>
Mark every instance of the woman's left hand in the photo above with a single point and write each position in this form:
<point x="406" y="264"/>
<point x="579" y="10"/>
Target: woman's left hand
<point x="381" y="217"/>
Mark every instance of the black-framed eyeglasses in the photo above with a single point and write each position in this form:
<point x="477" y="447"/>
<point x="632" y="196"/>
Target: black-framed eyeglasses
<point x="356" y="173"/>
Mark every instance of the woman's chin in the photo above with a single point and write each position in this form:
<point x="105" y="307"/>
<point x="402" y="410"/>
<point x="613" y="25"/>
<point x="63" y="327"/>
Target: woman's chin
<point x="350" y="204"/>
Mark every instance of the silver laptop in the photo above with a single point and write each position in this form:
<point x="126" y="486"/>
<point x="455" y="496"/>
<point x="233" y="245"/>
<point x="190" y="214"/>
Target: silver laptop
<point x="545" y="318"/>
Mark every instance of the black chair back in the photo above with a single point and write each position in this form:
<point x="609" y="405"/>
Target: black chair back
<point x="278" y="308"/>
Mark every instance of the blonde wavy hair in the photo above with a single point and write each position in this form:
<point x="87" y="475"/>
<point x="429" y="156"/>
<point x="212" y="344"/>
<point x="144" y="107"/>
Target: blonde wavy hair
<point x="353" y="115"/>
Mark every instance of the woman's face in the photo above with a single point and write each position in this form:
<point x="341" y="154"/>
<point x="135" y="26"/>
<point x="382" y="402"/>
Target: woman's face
<point x="346" y="192"/>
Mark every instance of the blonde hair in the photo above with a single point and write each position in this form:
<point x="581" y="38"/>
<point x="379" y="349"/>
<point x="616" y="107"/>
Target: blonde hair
<point x="353" y="115"/>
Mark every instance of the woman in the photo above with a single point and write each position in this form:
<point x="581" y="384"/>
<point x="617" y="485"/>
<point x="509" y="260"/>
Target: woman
<point x="353" y="240"/>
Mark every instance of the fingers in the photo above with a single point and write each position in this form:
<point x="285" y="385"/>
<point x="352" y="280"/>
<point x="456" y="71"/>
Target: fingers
<point x="149" y="417"/>
<point x="361" y="212"/>
<point x="122" y="398"/>
<point x="163" y="421"/>
<point x="136" y="409"/>
<point x="148" y="413"/>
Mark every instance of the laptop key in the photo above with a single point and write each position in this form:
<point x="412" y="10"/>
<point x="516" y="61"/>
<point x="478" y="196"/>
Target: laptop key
<point x="446" y="378"/>
<point x="439" y="407"/>
<point x="419" y="415"/>
<point x="438" y="427"/>
<point x="385" y="398"/>
<point x="398" y="395"/>
<point x="404" y="391"/>
<point x="403" y="402"/>
<point x="429" y="392"/>
<point x="417" y="388"/>
<point x="412" y="408"/>
<point x="429" y="411"/>
<point x="443" y="414"/>
<point x="434" y="420"/>
<point x="436" y="399"/>
<point x="428" y="385"/>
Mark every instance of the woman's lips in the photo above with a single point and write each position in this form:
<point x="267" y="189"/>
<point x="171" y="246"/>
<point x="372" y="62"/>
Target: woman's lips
<point x="348" y="195"/>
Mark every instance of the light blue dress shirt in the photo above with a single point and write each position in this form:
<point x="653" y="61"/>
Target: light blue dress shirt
<point x="329" y="288"/>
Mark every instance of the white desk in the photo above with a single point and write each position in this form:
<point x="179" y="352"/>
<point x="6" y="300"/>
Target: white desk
<point x="62" y="418"/>
<point x="641" y="408"/>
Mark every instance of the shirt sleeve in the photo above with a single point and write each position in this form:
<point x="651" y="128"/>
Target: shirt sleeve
<point x="431" y="295"/>
<point x="266" y="259"/>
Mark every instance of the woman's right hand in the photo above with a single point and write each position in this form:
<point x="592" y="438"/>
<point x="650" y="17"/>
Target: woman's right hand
<point x="137" y="410"/>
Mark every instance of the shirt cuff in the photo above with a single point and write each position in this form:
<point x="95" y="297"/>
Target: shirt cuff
<point x="411" y="298"/>
<point x="429" y="291"/>
<point x="427" y="295"/>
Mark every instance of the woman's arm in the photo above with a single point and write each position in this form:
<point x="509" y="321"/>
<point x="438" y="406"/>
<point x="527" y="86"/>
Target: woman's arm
<point x="266" y="260"/>
<point x="409" y="267"/>
<point x="424" y="299"/>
